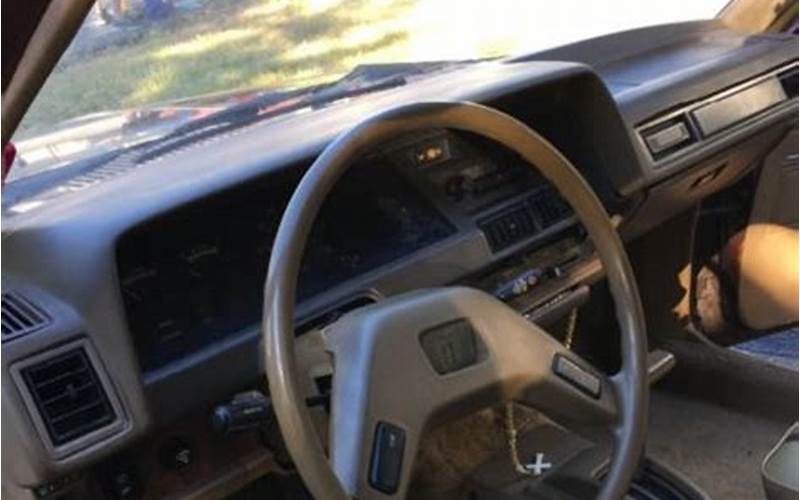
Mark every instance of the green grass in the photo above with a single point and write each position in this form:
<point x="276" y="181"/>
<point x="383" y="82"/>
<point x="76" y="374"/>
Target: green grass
<point x="228" y="44"/>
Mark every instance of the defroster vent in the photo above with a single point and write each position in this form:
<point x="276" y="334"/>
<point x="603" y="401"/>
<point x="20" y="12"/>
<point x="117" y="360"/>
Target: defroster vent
<point x="20" y="316"/>
<point x="68" y="395"/>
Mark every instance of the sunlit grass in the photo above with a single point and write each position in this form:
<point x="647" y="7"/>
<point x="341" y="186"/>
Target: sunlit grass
<point x="229" y="44"/>
<point x="205" y="42"/>
<point x="153" y="84"/>
<point x="232" y="44"/>
<point x="263" y="9"/>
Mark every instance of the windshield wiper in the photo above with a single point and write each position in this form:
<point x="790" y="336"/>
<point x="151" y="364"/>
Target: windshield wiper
<point x="364" y="79"/>
<point x="258" y="109"/>
<point x="361" y="80"/>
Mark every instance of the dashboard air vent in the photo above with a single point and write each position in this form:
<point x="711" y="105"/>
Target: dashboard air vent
<point x="68" y="395"/>
<point x="20" y="316"/>
<point x="549" y="207"/>
<point x="524" y="219"/>
<point x="509" y="227"/>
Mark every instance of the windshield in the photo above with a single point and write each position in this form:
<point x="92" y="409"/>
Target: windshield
<point x="135" y="69"/>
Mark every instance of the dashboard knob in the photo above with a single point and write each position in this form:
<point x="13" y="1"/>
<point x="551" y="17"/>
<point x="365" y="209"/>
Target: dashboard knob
<point x="176" y="454"/>
<point x="120" y="480"/>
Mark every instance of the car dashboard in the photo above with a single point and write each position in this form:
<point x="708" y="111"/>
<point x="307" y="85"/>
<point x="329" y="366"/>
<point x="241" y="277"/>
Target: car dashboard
<point x="143" y="283"/>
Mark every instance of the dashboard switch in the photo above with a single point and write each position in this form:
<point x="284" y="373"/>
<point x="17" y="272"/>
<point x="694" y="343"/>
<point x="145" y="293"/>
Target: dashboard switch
<point x="54" y="487"/>
<point x="518" y="285"/>
<point x="387" y="458"/>
<point x="668" y="137"/>
<point x="556" y="272"/>
<point x="176" y="454"/>
<point x="577" y="375"/>
<point x="120" y="480"/>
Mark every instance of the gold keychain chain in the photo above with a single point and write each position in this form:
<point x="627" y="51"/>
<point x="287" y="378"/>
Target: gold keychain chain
<point x="571" y="322"/>
<point x="511" y="430"/>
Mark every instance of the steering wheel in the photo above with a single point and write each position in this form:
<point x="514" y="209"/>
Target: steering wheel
<point x="421" y="358"/>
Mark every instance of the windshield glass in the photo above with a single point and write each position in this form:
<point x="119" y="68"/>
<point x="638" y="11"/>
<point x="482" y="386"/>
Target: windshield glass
<point x="135" y="69"/>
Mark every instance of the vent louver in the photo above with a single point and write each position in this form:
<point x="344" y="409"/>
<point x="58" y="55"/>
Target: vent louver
<point x="510" y="227"/>
<point x="524" y="219"/>
<point x="68" y="395"/>
<point x="20" y="316"/>
<point x="550" y="207"/>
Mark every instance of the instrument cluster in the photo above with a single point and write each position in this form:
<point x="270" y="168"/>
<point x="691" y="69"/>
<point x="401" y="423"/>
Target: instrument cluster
<point x="195" y="275"/>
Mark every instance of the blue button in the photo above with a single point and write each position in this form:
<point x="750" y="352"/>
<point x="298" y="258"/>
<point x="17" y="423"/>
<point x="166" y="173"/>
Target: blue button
<point x="386" y="465"/>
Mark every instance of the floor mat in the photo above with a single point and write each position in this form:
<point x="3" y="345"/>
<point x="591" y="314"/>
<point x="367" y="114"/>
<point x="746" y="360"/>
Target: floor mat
<point x="721" y="451"/>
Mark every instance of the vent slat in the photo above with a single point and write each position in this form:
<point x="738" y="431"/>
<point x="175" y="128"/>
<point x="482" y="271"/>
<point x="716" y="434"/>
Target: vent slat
<point x="20" y="316"/>
<point x="525" y="219"/>
<point x="60" y="377"/>
<point x="21" y="308"/>
<point x="550" y="207"/>
<point x="19" y="319"/>
<point x="509" y="227"/>
<point x="68" y="395"/>
<point x="81" y="429"/>
<point x="76" y="411"/>
<point x="63" y="397"/>
<point x="11" y="323"/>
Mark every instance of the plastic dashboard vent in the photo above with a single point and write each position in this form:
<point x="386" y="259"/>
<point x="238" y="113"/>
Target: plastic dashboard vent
<point x="509" y="227"/>
<point x="524" y="219"/>
<point x="20" y="316"/>
<point x="68" y="395"/>
<point x="549" y="207"/>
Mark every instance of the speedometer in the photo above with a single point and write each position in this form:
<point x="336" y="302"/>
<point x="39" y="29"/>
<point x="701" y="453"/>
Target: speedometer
<point x="201" y="259"/>
<point x="139" y="282"/>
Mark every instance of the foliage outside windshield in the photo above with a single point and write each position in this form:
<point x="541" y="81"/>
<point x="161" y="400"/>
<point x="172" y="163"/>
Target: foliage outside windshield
<point x="135" y="53"/>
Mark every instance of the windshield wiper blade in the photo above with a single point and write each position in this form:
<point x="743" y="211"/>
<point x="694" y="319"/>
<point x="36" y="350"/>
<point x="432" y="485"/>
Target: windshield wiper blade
<point x="363" y="79"/>
<point x="281" y="102"/>
<point x="268" y="106"/>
